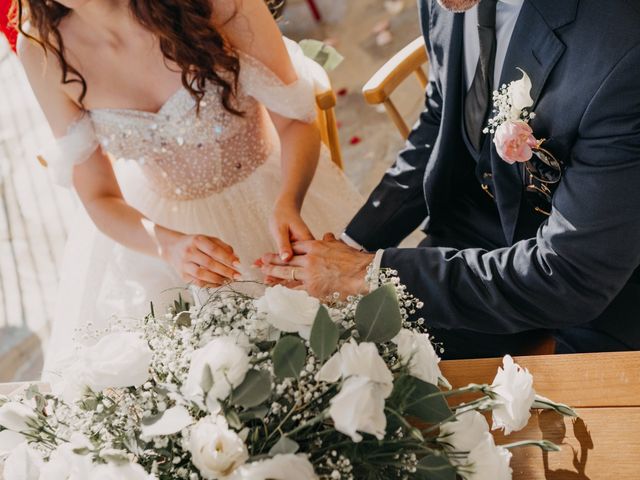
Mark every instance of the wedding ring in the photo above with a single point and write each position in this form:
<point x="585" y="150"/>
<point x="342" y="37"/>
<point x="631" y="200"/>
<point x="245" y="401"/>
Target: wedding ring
<point x="293" y="275"/>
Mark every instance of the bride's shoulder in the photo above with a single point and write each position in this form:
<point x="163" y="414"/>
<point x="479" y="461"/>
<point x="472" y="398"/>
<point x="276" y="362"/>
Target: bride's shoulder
<point x="248" y="26"/>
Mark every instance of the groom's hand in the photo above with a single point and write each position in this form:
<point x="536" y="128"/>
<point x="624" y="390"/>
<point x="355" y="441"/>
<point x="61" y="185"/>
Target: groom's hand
<point x="322" y="267"/>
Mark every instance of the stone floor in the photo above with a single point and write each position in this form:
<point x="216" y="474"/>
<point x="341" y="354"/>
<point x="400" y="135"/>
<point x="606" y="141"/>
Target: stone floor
<point x="33" y="213"/>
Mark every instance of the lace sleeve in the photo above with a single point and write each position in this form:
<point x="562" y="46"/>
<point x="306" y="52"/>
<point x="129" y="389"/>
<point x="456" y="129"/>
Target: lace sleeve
<point x="296" y="100"/>
<point x="73" y="149"/>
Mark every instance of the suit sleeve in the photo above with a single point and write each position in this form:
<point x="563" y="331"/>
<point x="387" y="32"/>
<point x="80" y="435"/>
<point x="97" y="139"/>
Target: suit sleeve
<point x="581" y="257"/>
<point x="397" y="205"/>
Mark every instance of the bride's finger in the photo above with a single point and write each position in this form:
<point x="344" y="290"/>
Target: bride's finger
<point x="271" y="259"/>
<point x="217" y="251"/>
<point x="283" y="241"/>
<point x="207" y="262"/>
<point x="204" y="275"/>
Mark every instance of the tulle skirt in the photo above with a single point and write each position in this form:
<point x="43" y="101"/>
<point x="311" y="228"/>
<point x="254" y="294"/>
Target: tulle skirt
<point x="103" y="281"/>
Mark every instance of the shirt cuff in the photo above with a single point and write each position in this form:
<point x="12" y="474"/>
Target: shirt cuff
<point x="374" y="272"/>
<point x="351" y="242"/>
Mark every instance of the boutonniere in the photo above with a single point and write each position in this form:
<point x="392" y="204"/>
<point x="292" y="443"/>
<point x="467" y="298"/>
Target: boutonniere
<point x="512" y="134"/>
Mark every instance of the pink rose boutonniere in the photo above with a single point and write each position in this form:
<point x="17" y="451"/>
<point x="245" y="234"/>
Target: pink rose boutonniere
<point x="513" y="137"/>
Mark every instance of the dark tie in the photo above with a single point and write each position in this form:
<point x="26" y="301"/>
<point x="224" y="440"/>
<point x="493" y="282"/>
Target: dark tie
<point x="477" y="103"/>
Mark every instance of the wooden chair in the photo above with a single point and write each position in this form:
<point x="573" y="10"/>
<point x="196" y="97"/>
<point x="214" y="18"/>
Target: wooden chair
<point x="408" y="61"/>
<point x="604" y="388"/>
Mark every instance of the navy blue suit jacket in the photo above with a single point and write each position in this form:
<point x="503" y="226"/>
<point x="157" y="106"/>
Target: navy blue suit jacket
<point x="580" y="271"/>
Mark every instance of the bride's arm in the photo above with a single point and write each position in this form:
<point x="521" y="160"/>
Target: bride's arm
<point x="198" y="259"/>
<point x="250" y="28"/>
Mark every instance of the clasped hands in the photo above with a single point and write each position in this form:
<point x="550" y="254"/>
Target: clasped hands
<point x="321" y="267"/>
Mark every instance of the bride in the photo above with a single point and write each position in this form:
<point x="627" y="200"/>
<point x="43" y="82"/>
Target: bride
<point x="186" y="129"/>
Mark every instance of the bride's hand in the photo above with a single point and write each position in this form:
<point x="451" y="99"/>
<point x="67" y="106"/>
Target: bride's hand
<point x="201" y="260"/>
<point x="287" y="226"/>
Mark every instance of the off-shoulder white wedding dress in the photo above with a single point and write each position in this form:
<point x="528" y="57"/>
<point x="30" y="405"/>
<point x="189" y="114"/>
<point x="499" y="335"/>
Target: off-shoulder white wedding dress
<point x="214" y="173"/>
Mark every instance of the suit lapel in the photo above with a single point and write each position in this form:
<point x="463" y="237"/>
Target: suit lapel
<point x="536" y="49"/>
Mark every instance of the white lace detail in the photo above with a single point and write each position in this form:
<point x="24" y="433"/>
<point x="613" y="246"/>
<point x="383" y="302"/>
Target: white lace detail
<point x="73" y="149"/>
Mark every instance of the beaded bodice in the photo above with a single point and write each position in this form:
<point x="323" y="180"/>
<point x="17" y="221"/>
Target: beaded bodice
<point x="185" y="155"/>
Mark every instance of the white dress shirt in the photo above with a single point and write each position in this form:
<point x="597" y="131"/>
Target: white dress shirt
<point x="506" y="17"/>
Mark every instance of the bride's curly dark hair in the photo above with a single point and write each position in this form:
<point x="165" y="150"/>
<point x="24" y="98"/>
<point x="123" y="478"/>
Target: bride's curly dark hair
<point x="184" y="30"/>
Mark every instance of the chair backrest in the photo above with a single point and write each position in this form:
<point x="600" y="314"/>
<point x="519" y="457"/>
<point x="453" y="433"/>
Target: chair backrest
<point x="326" y="102"/>
<point x="604" y="389"/>
<point x="408" y="61"/>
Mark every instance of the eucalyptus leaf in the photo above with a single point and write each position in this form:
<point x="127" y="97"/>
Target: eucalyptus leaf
<point x="206" y="382"/>
<point x="378" y="317"/>
<point x="324" y="335"/>
<point x="255" y="389"/>
<point x="284" y="446"/>
<point x="289" y="356"/>
<point x="416" y="400"/>
<point x="234" y="419"/>
<point x="256" y="413"/>
<point x="435" y="467"/>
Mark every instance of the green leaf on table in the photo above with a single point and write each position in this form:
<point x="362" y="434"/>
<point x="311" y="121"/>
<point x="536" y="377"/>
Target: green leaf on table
<point x="324" y="335"/>
<point x="289" y="357"/>
<point x="416" y="398"/>
<point x="435" y="467"/>
<point x="284" y="446"/>
<point x="255" y="389"/>
<point x="378" y="317"/>
<point x="325" y="55"/>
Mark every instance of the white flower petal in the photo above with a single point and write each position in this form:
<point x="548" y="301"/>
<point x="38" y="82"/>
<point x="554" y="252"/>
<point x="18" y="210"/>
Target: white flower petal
<point x="171" y="421"/>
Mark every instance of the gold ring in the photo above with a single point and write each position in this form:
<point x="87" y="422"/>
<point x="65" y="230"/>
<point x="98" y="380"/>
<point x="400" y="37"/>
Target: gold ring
<point x="293" y="275"/>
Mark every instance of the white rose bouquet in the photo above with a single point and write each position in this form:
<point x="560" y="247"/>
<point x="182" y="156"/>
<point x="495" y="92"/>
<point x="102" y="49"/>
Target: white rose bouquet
<point x="281" y="387"/>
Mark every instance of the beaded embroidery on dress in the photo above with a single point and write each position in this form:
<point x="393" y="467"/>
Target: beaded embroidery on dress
<point x="215" y="174"/>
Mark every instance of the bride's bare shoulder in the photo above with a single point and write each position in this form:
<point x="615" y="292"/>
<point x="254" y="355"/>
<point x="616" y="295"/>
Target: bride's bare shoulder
<point x="249" y="27"/>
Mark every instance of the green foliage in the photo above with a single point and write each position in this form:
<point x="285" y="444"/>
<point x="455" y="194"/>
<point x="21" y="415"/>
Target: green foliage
<point x="419" y="399"/>
<point x="255" y="389"/>
<point x="435" y="467"/>
<point x="378" y="317"/>
<point x="289" y="356"/>
<point x="284" y="446"/>
<point x="324" y="335"/>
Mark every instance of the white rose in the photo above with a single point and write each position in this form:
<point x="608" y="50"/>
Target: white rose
<point x="355" y="359"/>
<point x="9" y="440"/>
<point x="118" y="360"/>
<point x="216" y="450"/>
<point x="488" y="461"/>
<point x="23" y="463"/>
<point x="289" y="310"/>
<point x="171" y="421"/>
<point x="15" y="415"/>
<point x="520" y="94"/>
<point x="228" y="363"/>
<point x="464" y="434"/>
<point x="359" y="407"/>
<point x="115" y="471"/>
<point x="514" y="387"/>
<point x="64" y="464"/>
<point x="417" y="352"/>
<point x="280" y="467"/>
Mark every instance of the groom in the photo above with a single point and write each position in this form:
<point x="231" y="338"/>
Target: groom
<point x="508" y="253"/>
